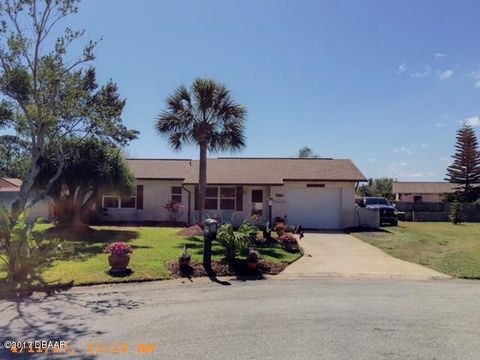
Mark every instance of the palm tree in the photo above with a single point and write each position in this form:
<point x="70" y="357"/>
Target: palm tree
<point x="207" y="116"/>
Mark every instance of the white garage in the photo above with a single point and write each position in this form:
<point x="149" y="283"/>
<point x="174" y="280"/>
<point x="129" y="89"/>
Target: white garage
<point x="315" y="207"/>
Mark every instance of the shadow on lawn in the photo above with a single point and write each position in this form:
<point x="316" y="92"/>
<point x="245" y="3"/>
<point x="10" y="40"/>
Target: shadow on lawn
<point x="89" y="242"/>
<point x="66" y="316"/>
<point x="76" y="246"/>
<point x="363" y="229"/>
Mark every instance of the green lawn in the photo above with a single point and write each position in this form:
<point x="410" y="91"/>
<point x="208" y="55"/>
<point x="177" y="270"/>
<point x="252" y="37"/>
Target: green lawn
<point x="85" y="263"/>
<point x="450" y="249"/>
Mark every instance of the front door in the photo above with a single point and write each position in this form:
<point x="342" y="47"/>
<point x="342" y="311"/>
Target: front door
<point x="257" y="203"/>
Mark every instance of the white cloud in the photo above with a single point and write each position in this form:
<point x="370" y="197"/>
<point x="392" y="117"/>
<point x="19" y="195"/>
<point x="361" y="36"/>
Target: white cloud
<point x="440" y="124"/>
<point x="403" y="149"/>
<point x="421" y="73"/>
<point x="373" y="160"/>
<point x="400" y="169"/>
<point x="473" y="121"/>
<point x="439" y="55"/>
<point x="402" y="68"/>
<point x="444" y="75"/>
<point x="476" y="77"/>
<point x="423" y="146"/>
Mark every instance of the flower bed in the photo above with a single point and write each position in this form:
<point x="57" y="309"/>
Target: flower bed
<point x="223" y="268"/>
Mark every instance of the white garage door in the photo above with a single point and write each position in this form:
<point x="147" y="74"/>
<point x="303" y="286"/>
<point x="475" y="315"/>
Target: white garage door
<point x="314" y="208"/>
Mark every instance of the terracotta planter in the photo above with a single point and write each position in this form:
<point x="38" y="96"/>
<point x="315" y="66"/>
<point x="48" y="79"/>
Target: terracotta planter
<point x="252" y="265"/>
<point x="184" y="262"/>
<point x="118" y="262"/>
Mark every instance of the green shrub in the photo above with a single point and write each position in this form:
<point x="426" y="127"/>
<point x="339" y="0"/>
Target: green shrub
<point x="23" y="254"/>
<point x="456" y="216"/>
<point x="233" y="241"/>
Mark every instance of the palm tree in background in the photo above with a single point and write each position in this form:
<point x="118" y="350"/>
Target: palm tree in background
<point x="207" y="116"/>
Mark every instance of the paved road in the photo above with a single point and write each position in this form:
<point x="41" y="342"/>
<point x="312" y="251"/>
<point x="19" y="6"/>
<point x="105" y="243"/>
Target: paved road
<point x="342" y="255"/>
<point x="265" y="319"/>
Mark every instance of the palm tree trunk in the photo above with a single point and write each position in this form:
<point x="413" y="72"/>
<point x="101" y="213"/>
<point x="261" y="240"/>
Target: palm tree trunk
<point x="202" y="183"/>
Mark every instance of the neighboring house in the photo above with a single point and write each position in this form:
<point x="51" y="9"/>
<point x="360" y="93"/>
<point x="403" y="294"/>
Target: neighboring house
<point x="10" y="187"/>
<point x="316" y="193"/>
<point x="421" y="191"/>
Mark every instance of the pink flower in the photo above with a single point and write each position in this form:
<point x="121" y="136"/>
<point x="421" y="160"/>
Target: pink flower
<point x="118" y="248"/>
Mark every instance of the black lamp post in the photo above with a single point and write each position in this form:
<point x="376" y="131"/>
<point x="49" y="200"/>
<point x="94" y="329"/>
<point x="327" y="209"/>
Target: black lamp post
<point x="270" y="224"/>
<point x="209" y="234"/>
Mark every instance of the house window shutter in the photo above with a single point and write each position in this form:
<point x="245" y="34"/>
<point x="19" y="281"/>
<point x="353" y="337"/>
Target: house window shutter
<point x="196" y="197"/>
<point x="139" y="196"/>
<point x="239" y="200"/>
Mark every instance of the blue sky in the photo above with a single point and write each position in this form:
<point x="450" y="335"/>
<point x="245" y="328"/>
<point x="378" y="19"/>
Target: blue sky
<point x="384" y="83"/>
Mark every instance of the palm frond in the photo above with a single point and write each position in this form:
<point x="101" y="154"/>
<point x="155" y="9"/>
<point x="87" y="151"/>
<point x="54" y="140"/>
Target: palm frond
<point x="205" y="113"/>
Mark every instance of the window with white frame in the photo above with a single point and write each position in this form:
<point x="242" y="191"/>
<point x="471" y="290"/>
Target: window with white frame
<point x="220" y="198"/>
<point x="119" y="202"/>
<point x="177" y="194"/>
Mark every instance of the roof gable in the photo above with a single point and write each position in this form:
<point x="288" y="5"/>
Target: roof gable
<point x="10" y="184"/>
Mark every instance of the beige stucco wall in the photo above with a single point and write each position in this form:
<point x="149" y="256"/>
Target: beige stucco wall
<point x="40" y="209"/>
<point x="158" y="192"/>
<point x="425" y="197"/>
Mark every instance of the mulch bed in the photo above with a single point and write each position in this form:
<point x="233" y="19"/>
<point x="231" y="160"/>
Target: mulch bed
<point x="223" y="268"/>
<point x="194" y="230"/>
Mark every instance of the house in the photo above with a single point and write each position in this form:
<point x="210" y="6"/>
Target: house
<point x="421" y="191"/>
<point x="9" y="189"/>
<point x="316" y="193"/>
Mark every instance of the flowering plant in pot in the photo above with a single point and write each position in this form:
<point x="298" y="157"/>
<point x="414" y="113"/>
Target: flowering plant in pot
<point x="119" y="255"/>
<point x="184" y="259"/>
<point x="289" y="242"/>
<point x="280" y="229"/>
<point x="253" y="259"/>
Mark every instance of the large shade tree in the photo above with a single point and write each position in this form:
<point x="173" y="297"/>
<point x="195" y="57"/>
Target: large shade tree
<point x="465" y="169"/>
<point x="91" y="166"/>
<point x="207" y="116"/>
<point x="48" y="93"/>
<point x="13" y="156"/>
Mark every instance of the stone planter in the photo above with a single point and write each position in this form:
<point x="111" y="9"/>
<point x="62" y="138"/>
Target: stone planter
<point x="118" y="262"/>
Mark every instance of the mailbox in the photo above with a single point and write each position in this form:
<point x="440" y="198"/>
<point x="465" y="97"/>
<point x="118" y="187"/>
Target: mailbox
<point x="209" y="234"/>
<point x="210" y="229"/>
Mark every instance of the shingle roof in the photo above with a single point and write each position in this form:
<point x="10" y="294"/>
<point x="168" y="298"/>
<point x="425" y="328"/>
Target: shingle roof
<point x="248" y="170"/>
<point x="10" y="184"/>
<point x="160" y="168"/>
<point x="423" y="187"/>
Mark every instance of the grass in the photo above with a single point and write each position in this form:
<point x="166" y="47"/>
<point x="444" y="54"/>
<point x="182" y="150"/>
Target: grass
<point x="450" y="249"/>
<point x="85" y="263"/>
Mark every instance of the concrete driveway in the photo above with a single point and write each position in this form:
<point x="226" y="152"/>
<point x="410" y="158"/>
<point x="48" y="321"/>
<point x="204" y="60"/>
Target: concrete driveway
<point x="342" y="255"/>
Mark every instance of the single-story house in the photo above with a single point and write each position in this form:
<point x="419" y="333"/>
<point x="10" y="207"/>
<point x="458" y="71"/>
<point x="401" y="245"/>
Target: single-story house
<point x="316" y="193"/>
<point x="421" y="191"/>
<point x="10" y="187"/>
